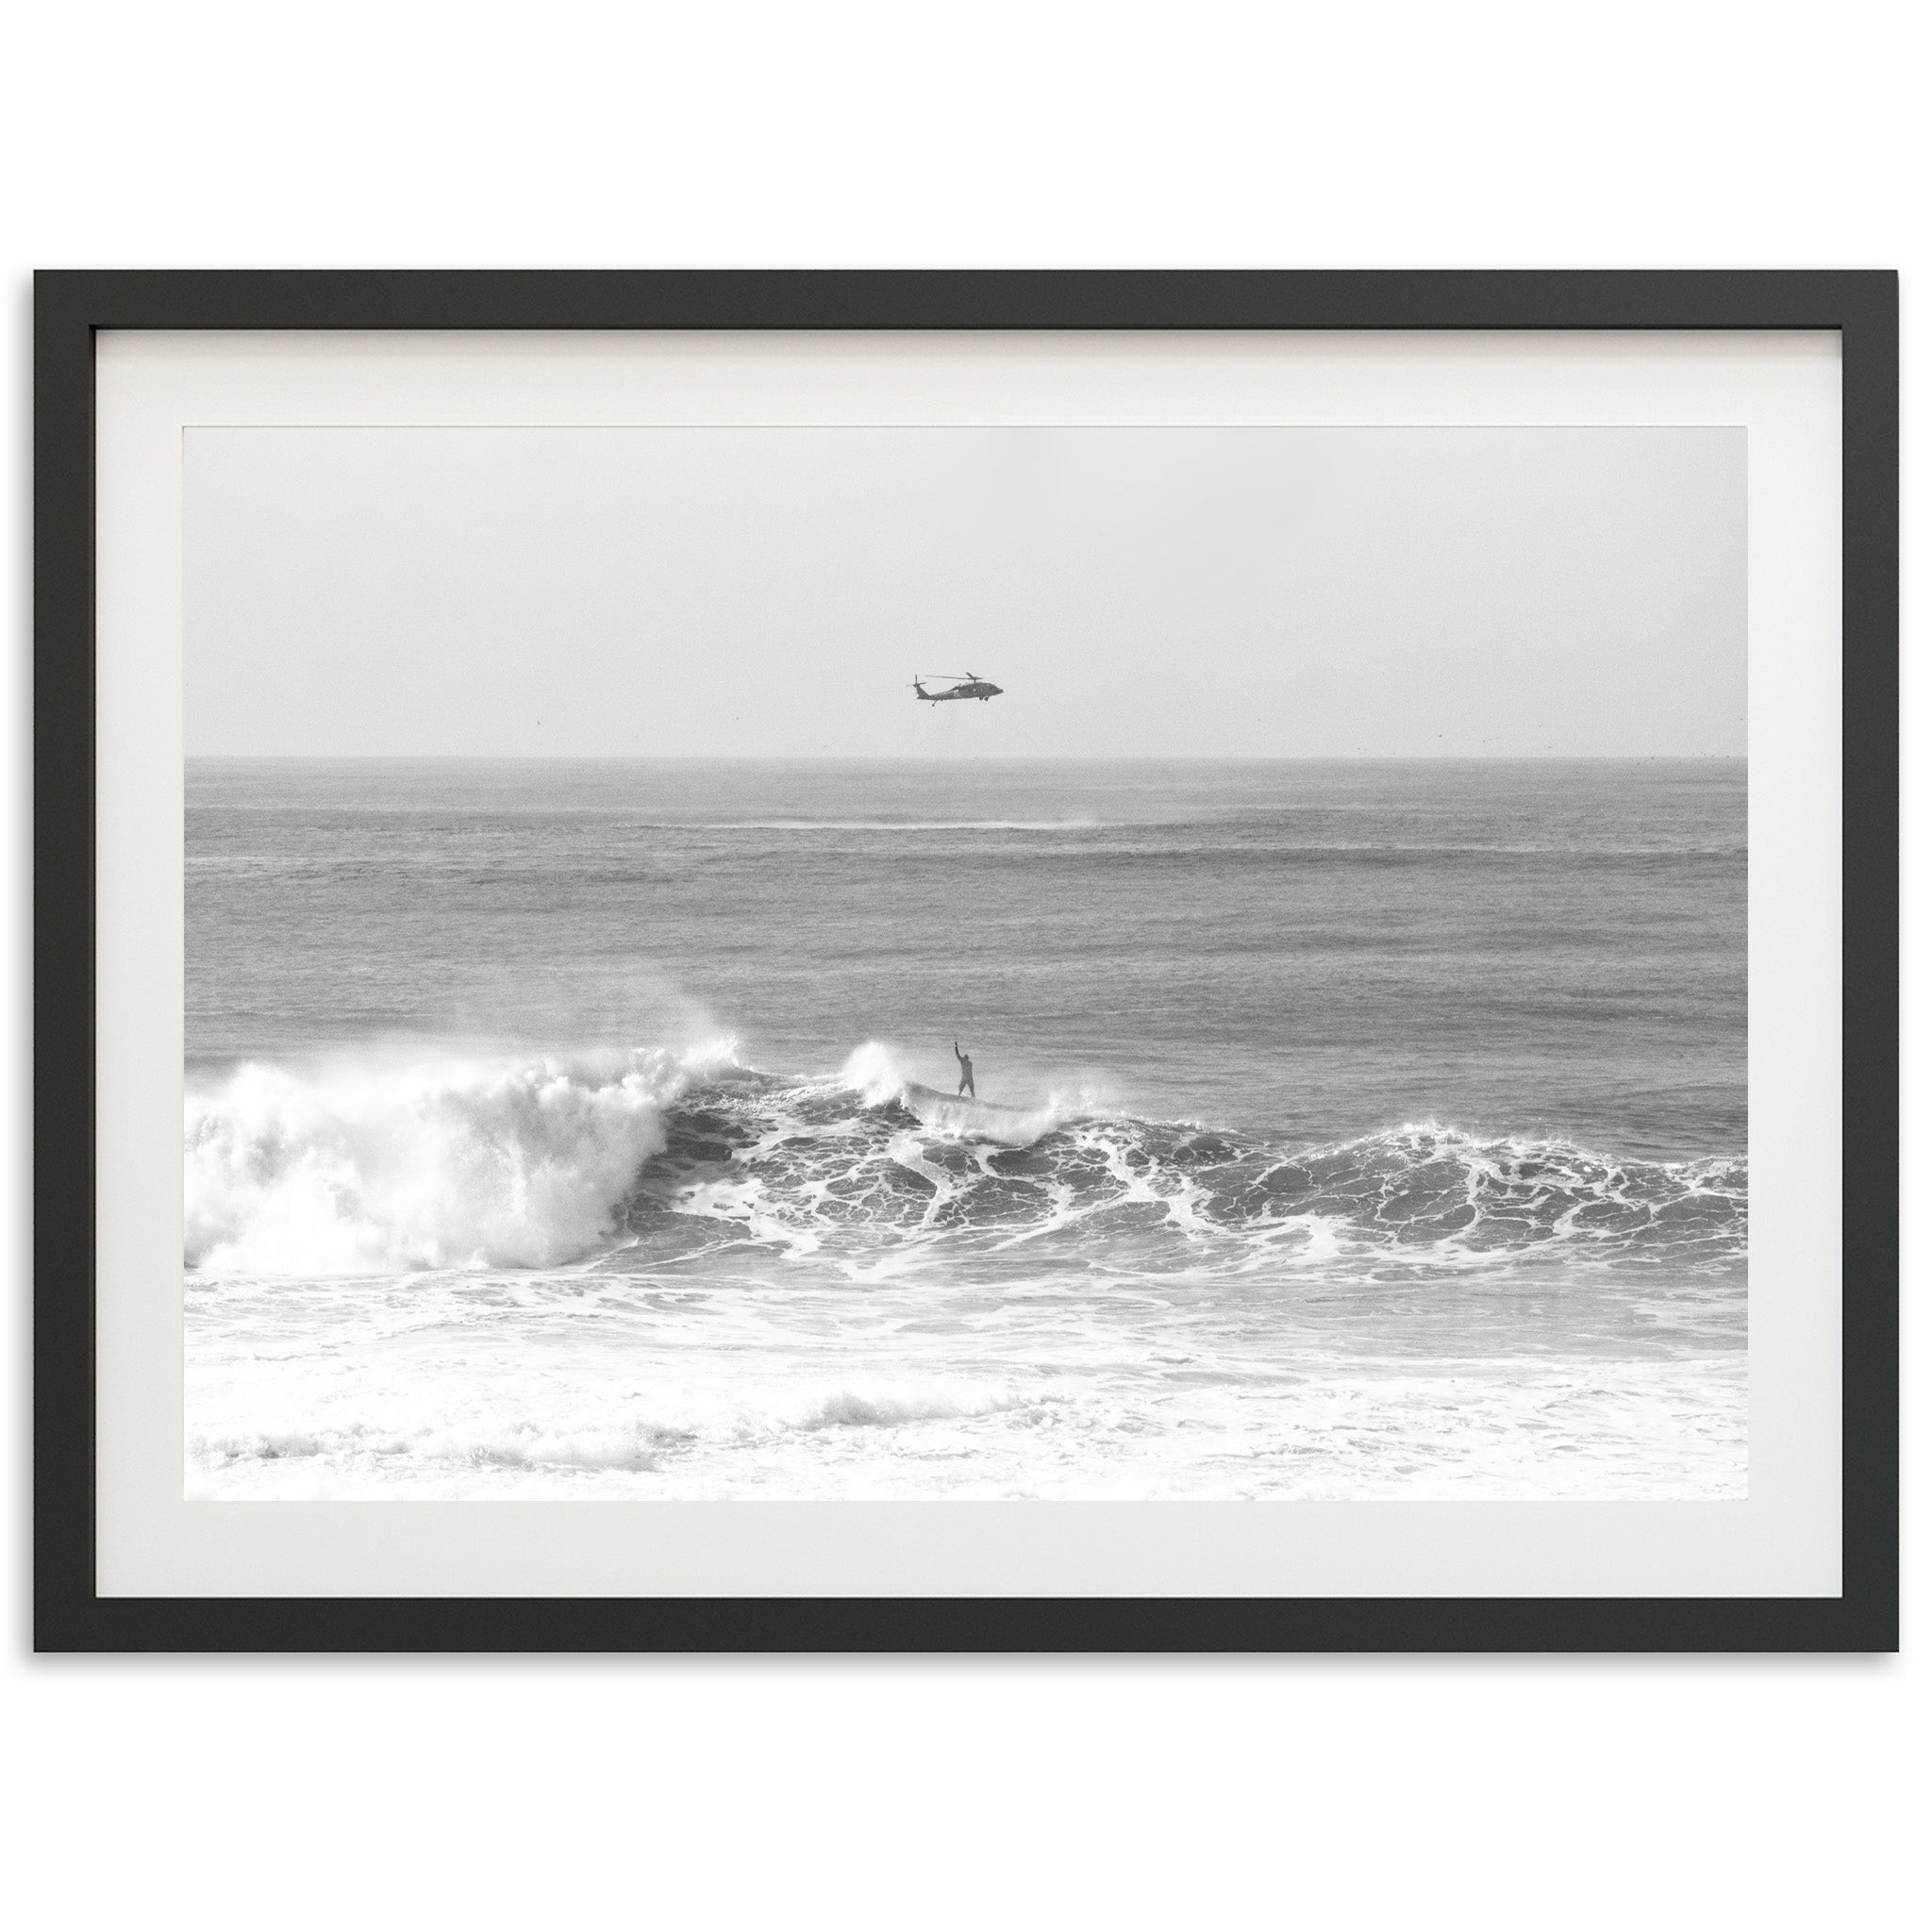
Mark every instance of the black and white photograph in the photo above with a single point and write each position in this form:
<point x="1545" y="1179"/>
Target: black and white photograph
<point x="958" y="966"/>
<point x="859" y="963"/>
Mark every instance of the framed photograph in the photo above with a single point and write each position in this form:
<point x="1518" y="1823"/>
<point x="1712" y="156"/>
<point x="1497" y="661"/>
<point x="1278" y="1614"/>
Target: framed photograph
<point x="1003" y="961"/>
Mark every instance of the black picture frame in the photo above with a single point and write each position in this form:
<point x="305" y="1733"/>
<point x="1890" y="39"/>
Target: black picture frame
<point x="71" y="307"/>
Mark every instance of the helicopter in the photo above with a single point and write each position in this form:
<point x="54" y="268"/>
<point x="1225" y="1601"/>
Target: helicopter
<point x="971" y="686"/>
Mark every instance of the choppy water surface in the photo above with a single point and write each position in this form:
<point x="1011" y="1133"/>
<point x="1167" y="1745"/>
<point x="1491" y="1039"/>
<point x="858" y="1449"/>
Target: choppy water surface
<point x="1349" y="1129"/>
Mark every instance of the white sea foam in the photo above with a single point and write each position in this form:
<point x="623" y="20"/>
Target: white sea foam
<point x="876" y="1404"/>
<point x="878" y="1174"/>
<point x="572" y="1386"/>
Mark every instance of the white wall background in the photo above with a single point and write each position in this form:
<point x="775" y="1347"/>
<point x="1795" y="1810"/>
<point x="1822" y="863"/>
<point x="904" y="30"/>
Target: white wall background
<point x="1329" y="1793"/>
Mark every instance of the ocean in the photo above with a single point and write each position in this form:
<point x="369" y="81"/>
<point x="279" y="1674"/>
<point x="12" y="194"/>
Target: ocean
<point x="1342" y="1129"/>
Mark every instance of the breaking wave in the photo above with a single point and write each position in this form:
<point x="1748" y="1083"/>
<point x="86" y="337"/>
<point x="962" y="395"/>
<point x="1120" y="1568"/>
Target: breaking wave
<point x="878" y="1171"/>
<point x="650" y="1161"/>
<point x="454" y="1164"/>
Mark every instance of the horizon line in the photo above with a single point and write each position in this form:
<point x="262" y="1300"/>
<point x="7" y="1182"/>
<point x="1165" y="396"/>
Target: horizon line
<point x="563" y="758"/>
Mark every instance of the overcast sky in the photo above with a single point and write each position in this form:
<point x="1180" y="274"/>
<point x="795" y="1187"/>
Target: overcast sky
<point x="1136" y="591"/>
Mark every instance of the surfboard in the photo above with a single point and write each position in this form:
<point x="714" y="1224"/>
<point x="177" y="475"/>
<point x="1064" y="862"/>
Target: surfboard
<point x="929" y="1096"/>
<point x="957" y="1100"/>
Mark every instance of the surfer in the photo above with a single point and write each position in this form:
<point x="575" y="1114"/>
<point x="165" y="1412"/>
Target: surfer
<point x="965" y="1070"/>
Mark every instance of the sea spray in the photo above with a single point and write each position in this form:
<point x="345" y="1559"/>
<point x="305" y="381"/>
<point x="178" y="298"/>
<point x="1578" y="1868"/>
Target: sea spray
<point x="453" y="1164"/>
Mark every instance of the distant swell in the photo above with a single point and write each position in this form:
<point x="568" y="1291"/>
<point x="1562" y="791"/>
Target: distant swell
<point x="900" y="825"/>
